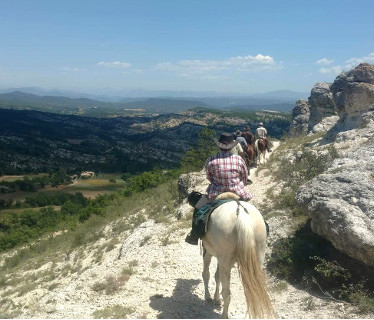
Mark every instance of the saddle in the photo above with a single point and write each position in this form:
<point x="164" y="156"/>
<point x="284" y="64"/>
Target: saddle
<point x="201" y="216"/>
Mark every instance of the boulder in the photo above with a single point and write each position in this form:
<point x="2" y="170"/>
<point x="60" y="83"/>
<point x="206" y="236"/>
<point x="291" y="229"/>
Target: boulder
<point x="325" y="124"/>
<point x="322" y="106"/>
<point x="192" y="181"/>
<point x="300" y="118"/>
<point x="353" y="93"/>
<point x="340" y="203"/>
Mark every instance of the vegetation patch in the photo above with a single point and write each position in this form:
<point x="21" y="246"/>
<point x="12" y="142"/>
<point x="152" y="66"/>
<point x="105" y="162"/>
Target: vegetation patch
<point x="313" y="262"/>
<point x="113" y="312"/>
<point x="110" y="285"/>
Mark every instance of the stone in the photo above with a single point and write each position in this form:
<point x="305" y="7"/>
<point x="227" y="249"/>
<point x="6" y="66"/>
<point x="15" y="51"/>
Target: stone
<point x="338" y="106"/>
<point x="353" y="93"/>
<point x="193" y="181"/>
<point x="300" y="118"/>
<point x="184" y="209"/>
<point x="322" y="105"/>
<point x="340" y="203"/>
<point x="325" y="124"/>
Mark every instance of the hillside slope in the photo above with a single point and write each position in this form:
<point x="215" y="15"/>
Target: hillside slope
<point x="151" y="273"/>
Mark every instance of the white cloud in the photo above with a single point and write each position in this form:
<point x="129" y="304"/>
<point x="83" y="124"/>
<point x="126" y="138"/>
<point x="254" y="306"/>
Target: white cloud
<point x="324" y="61"/>
<point x="349" y="64"/>
<point x="114" y="64"/>
<point x="353" y="62"/>
<point x="334" y="70"/>
<point x="245" y="63"/>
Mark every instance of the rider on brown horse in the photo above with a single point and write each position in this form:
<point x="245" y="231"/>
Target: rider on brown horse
<point x="248" y="135"/>
<point x="261" y="133"/>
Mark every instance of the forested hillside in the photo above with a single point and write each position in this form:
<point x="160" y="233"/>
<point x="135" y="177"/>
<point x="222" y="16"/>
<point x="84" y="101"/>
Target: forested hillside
<point x="32" y="141"/>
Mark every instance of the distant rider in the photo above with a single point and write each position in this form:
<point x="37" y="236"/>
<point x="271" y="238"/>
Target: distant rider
<point x="261" y="133"/>
<point x="248" y="135"/>
<point x="241" y="140"/>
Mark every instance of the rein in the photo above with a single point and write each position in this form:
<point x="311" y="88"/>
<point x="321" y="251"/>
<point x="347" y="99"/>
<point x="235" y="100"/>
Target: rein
<point x="240" y="205"/>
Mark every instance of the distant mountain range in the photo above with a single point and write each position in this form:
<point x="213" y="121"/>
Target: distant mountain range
<point x="113" y="95"/>
<point x="80" y="104"/>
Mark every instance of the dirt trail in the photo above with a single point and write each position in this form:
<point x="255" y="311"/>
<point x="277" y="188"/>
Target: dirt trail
<point x="167" y="282"/>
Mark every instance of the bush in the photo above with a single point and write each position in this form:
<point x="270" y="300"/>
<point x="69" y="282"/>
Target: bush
<point x="295" y="174"/>
<point x="312" y="261"/>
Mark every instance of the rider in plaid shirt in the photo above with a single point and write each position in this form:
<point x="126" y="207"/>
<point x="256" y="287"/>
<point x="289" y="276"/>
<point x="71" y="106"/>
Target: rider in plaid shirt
<point x="227" y="172"/>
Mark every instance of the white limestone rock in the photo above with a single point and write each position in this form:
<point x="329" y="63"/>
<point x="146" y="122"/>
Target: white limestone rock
<point x="340" y="203"/>
<point x="300" y="118"/>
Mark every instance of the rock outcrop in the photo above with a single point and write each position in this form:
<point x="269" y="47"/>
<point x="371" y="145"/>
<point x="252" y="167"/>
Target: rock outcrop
<point x="353" y="93"/>
<point x="340" y="203"/>
<point x="338" y="106"/>
<point x="300" y="118"/>
<point x="323" y="113"/>
<point x="193" y="181"/>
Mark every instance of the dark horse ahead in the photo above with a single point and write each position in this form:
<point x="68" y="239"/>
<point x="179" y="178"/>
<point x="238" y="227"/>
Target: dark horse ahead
<point x="261" y="146"/>
<point x="248" y="155"/>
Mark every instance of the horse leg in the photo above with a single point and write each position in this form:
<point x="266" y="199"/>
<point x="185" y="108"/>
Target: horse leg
<point x="216" y="294"/>
<point x="207" y="258"/>
<point x="224" y="275"/>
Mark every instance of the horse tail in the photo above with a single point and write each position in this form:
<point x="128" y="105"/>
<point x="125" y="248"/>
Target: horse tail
<point x="253" y="278"/>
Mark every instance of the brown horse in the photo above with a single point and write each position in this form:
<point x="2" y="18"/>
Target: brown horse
<point x="261" y="146"/>
<point x="250" y="153"/>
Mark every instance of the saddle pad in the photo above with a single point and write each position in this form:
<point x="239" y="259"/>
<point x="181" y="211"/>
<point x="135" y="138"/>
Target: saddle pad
<point x="201" y="216"/>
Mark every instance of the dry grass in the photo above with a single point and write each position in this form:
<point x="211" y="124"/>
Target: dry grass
<point x="113" y="312"/>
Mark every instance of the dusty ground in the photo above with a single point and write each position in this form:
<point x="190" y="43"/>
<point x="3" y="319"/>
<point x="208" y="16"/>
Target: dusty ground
<point x="166" y="282"/>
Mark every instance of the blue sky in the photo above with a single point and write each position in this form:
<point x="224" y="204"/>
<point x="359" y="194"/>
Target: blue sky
<point x="223" y="46"/>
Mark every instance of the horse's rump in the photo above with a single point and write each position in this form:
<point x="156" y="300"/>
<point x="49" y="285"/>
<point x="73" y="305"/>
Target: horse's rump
<point x="261" y="144"/>
<point x="251" y="153"/>
<point x="235" y="234"/>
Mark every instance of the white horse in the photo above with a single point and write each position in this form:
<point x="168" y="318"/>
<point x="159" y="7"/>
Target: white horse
<point x="234" y="235"/>
<point x="261" y="150"/>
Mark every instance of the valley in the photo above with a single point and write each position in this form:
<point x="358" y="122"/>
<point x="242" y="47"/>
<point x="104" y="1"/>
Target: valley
<point x="33" y="141"/>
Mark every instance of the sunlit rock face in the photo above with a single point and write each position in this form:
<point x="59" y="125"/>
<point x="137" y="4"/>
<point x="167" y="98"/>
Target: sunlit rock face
<point x="340" y="203"/>
<point x="353" y="93"/>
<point x="323" y="113"/>
<point x="300" y="118"/>
<point x="337" y="106"/>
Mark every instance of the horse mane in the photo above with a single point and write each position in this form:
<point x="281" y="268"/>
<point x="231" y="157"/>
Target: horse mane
<point x="227" y="195"/>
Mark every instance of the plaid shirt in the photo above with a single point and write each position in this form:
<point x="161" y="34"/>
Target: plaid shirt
<point x="227" y="172"/>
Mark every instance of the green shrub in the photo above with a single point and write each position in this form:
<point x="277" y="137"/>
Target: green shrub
<point x="313" y="262"/>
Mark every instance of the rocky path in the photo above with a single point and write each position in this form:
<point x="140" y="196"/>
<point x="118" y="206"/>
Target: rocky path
<point x="166" y="279"/>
